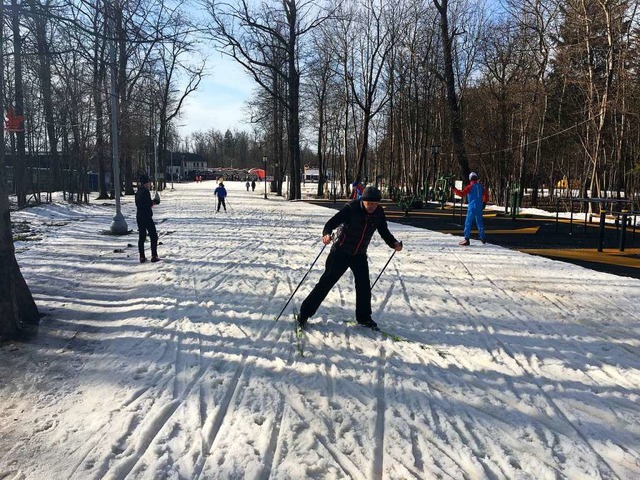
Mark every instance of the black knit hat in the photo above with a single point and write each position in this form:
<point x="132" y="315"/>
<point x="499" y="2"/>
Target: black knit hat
<point x="144" y="179"/>
<point x="371" y="194"/>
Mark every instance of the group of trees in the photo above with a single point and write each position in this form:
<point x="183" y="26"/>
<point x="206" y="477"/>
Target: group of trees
<point x="228" y="149"/>
<point x="89" y="77"/>
<point x="527" y="94"/>
<point x="72" y="64"/>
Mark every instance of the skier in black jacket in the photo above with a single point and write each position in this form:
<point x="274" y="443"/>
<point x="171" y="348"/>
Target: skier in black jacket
<point x="356" y="222"/>
<point x="144" y="218"/>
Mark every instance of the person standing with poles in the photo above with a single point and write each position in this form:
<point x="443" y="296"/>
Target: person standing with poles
<point x="221" y="193"/>
<point x="476" y="200"/>
<point x="355" y="223"/>
<point x="144" y="218"/>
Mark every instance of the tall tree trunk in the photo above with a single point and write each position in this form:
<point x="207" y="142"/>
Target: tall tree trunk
<point x="280" y="148"/>
<point x="98" y="88"/>
<point x="364" y="143"/>
<point x="124" y="105"/>
<point x="17" y="309"/>
<point x="294" y="104"/>
<point x="44" y="71"/>
<point x="457" y="131"/>
<point x="19" y="165"/>
<point x="321" y="147"/>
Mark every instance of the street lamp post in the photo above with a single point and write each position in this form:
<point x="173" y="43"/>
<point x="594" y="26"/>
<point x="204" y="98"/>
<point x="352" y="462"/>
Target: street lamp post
<point x="119" y="224"/>
<point x="264" y="160"/>
<point x="155" y="158"/>
<point x="171" y="169"/>
<point x="435" y="150"/>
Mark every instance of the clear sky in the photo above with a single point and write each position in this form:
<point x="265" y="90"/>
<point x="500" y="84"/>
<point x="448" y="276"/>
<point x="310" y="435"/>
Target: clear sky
<point x="220" y="99"/>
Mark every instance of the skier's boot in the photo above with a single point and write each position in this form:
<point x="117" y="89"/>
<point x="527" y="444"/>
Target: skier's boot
<point x="369" y="324"/>
<point x="302" y="320"/>
<point x="155" y="259"/>
<point x="143" y="259"/>
<point x="464" y="242"/>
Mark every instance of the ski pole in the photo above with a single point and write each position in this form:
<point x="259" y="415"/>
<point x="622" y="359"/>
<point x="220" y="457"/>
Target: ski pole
<point x="383" y="268"/>
<point x="305" y="276"/>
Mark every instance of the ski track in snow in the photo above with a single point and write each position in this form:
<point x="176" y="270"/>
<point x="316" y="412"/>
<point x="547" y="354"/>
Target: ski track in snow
<point x="516" y="367"/>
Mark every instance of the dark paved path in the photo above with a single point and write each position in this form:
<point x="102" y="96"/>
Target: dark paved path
<point x="572" y="242"/>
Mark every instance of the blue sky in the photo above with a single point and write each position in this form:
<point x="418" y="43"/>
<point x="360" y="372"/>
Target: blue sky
<point x="219" y="101"/>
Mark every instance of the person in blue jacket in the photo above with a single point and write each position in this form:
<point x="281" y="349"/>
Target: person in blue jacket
<point x="358" y="188"/>
<point x="476" y="200"/>
<point x="355" y="224"/>
<point x="221" y="193"/>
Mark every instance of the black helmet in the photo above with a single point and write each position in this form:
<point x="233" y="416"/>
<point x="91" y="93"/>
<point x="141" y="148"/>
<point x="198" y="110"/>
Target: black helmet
<point x="371" y="194"/>
<point x="144" y="179"/>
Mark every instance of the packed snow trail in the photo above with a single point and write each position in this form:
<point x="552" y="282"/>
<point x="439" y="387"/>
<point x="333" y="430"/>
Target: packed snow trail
<point x="514" y="366"/>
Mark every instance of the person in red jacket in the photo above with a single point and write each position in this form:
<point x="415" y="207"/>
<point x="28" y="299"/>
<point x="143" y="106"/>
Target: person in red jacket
<point x="476" y="199"/>
<point x="358" y="188"/>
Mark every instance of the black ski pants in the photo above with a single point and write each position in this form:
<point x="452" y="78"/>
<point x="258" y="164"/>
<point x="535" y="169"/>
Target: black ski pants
<point x="146" y="225"/>
<point x="221" y="202"/>
<point x="336" y="265"/>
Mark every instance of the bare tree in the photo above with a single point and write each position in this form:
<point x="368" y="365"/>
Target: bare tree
<point x="40" y="22"/>
<point x="373" y="40"/>
<point x="505" y="79"/>
<point x="537" y="20"/>
<point x="98" y="87"/>
<point x="321" y="74"/>
<point x="448" y="35"/>
<point x="18" y="311"/>
<point x="413" y="112"/>
<point x="591" y="44"/>
<point x="170" y="65"/>
<point x="255" y="37"/>
<point x="19" y="164"/>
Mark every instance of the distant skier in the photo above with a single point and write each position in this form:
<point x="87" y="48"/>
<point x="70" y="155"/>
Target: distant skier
<point x="221" y="194"/>
<point x="253" y="185"/>
<point x="476" y="200"/>
<point x="358" y="188"/>
<point x="358" y="220"/>
<point x="248" y="185"/>
<point x="144" y="218"/>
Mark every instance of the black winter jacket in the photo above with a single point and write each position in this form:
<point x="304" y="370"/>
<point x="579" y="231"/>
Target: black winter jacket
<point x="144" y="203"/>
<point x="357" y="228"/>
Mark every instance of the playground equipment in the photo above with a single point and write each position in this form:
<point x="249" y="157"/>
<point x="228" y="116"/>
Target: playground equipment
<point x="514" y="199"/>
<point x="442" y="192"/>
<point x="409" y="202"/>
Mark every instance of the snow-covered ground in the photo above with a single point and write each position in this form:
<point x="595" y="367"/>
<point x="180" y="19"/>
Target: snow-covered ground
<point x="517" y="367"/>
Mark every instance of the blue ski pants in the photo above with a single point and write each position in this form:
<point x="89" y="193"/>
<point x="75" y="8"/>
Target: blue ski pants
<point x="474" y="214"/>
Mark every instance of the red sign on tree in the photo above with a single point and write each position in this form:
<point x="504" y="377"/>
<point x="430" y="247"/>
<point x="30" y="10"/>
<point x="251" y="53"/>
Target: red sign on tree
<point x="13" y="122"/>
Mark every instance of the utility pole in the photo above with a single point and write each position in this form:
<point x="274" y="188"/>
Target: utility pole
<point x="119" y="225"/>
